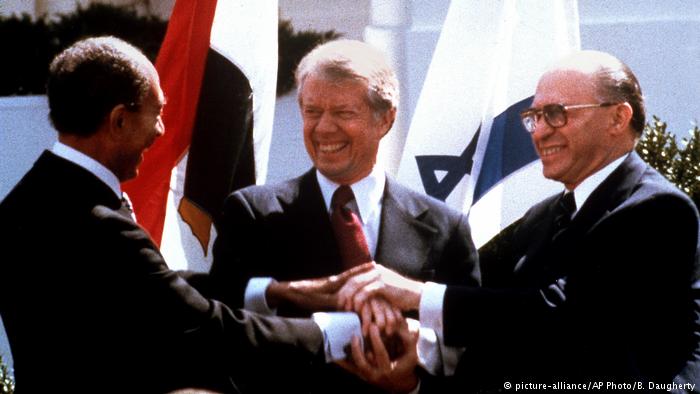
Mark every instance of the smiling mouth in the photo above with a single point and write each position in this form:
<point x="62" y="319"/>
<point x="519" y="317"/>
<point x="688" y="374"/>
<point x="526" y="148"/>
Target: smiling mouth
<point x="332" y="148"/>
<point x="550" y="151"/>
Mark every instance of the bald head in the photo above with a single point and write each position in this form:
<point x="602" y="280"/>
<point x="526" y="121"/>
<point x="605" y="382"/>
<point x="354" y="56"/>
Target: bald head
<point x="611" y="79"/>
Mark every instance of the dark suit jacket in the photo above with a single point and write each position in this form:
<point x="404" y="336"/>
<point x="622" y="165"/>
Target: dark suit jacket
<point x="624" y="310"/>
<point x="284" y="231"/>
<point x="89" y="305"/>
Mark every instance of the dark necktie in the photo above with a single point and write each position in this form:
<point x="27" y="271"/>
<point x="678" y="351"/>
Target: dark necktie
<point x="348" y="229"/>
<point x="566" y="206"/>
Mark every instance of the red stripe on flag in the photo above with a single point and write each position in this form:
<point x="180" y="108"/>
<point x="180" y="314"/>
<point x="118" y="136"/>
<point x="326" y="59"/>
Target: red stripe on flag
<point x="180" y="63"/>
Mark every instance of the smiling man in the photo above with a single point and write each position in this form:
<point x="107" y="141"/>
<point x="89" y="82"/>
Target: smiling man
<point x="85" y="289"/>
<point x="598" y="283"/>
<point x="343" y="212"/>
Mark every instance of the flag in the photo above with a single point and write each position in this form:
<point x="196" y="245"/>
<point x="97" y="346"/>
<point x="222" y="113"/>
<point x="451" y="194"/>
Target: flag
<point x="218" y="69"/>
<point x="466" y="144"/>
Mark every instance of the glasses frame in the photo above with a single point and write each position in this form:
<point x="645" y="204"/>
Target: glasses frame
<point x="535" y="113"/>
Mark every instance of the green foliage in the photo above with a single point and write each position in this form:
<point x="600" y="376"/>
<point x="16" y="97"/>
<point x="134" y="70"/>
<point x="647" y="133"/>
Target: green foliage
<point x="680" y="164"/>
<point x="7" y="383"/>
<point x="292" y="47"/>
<point x="31" y="44"/>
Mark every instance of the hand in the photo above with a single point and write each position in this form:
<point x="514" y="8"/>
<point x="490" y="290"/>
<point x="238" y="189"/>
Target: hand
<point x="312" y="294"/>
<point x="379" y="281"/>
<point x="380" y="312"/>
<point x="376" y="367"/>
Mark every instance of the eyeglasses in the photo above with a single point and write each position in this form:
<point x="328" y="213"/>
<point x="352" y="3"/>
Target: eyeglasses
<point x="554" y="114"/>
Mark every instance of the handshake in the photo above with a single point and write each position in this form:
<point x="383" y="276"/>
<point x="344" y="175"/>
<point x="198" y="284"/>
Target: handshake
<point x="379" y="296"/>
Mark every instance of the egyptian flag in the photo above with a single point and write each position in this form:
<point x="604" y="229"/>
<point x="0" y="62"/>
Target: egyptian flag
<point x="218" y="70"/>
<point x="466" y="144"/>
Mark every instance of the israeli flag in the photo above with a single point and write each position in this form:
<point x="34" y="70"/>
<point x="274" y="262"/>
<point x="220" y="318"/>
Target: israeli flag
<point x="466" y="144"/>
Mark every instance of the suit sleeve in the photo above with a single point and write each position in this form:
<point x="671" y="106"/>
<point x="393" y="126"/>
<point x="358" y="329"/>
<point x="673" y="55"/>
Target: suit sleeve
<point x="459" y="264"/>
<point x="204" y="328"/>
<point x="236" y="247"/>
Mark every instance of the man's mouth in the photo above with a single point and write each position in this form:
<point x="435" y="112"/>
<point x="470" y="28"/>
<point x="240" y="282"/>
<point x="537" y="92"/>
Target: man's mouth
<point x="332" y="148"/>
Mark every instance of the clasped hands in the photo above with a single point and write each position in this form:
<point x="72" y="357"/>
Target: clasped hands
<point x="379" y="296"/>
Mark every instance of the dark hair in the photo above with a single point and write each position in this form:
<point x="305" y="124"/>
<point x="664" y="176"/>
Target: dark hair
<point x="618" y="84"/>
<point x="91" y="77"/>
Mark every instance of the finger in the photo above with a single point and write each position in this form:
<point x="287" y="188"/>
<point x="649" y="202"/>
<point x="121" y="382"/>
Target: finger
<point x="381" y="355"/>
<point x="378" y="313"/>
<point x="344" y="276"/>
<point x="333" y="283"/>
<point x="371" y="289"/>
<point x="392" y="318"/>
<point x="366" y="319"/>
<point x="352" y="286"/>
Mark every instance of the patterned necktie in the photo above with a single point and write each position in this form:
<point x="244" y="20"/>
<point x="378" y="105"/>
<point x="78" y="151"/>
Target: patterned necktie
<point x="348" y="229"/>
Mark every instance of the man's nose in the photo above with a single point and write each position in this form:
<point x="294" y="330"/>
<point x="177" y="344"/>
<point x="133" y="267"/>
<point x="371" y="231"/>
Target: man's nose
<point x="326" y="123"/>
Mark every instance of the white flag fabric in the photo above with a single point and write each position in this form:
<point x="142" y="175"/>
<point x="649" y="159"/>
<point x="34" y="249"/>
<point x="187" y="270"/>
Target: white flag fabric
<point x="466" y="144"/>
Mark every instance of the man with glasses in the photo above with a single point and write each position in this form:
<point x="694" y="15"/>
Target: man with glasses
<point x="593" y="288"/>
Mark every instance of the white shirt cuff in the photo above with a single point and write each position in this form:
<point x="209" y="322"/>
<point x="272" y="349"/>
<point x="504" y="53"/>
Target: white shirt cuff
<point x="433" y="355"/>
<point x="430" y="308"/>
<point x="338" y="329"/>
<point x="254" y="297"/>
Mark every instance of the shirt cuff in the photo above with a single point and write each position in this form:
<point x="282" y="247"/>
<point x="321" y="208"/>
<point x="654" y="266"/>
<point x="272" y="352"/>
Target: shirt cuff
<point x="430" y="309"/>
<point x="338" y="328"/>
<point x="254" y="297"/>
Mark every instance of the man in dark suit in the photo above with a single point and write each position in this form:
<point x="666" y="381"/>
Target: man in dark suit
<point x="88" y="302"/>
<point x="348" y="95"/>
<point x="596" y="284"/>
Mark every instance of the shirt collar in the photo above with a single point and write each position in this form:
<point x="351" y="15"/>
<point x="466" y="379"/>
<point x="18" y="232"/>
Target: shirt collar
<point x="368" y="191"/>
<point x="90" y="164"/>
<point x="586" y="188"/>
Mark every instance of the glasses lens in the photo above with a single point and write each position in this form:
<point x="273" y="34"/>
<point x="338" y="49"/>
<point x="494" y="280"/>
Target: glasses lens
<point x="555" y="115"/>
<point x="529" y="122"/>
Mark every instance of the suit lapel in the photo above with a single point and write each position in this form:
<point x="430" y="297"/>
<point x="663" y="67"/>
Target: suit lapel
<point x="553" y="256"/>
<point x="312" y="227"/>
<point x="404" y="239"/>
<point x="614" y="190"/>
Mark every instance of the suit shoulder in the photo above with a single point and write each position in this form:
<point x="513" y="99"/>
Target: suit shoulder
<point x="653" y="186"/>
<point x="264" y="198"/>
<point x="417" y="202"/>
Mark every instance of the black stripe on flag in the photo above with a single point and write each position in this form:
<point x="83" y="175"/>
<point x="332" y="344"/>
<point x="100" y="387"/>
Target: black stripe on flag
<point x="221" y="156"/>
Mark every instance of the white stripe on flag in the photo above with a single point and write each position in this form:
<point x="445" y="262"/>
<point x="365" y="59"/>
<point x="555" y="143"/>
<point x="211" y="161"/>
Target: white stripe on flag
<point x="486" y="64"/>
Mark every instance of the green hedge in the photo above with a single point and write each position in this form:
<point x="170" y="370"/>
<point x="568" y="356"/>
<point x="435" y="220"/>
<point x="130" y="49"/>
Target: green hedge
<point x="29" y="45"/>
<point x="680" y="163"/>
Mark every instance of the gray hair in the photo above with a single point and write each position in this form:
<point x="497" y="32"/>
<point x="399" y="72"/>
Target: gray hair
<point x="342" y="60"/>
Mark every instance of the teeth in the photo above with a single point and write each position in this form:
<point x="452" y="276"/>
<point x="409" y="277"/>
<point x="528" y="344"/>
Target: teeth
<point x="331" y="148"/>
<point x="550" y="151"/>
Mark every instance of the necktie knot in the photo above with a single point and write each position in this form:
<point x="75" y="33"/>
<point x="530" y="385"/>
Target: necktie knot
<point x="342" y="196"/>
<point x="566" y="206"/>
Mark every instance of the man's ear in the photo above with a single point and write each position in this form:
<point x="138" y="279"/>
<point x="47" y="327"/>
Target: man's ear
<point x="621" y="118"/>
<point x="117" y="119"/>
<point x="388" y="119"/>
